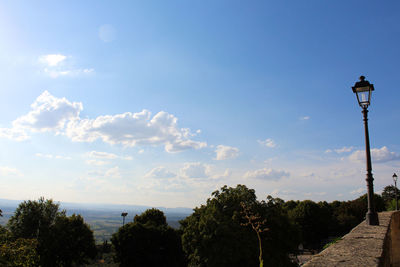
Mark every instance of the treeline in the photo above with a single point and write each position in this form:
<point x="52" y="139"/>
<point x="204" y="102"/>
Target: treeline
<point x="232" y="228"/>
<point x="40" y="234"/>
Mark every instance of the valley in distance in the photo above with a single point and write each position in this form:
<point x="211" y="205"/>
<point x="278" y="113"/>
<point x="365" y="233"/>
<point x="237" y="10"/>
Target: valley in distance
<point x="104" y="219"/>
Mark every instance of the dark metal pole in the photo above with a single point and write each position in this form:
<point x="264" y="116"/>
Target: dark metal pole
<point x="395" y="185"/>
<point x="371" y="216"/>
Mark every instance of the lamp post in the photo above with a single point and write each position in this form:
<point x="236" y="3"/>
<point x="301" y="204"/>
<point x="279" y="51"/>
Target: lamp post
<point x="123" y="217"/>
<point x="395" y="186"/>
<point x="363" y="90"/>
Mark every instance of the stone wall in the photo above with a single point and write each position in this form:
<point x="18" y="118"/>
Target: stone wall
<point x="365" y="245"/>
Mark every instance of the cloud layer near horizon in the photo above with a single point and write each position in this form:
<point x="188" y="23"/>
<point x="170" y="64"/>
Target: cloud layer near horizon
<point x="58" y="115"/>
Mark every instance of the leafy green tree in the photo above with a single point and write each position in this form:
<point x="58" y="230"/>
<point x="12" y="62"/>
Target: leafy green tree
<point x="33" y="219"/>
<point x="148" y="241"/>
<point x="214" y="234"/>
<point x="389" y="193"/>
<point x="308" y="216"/>
<point x="153" y="217"/>
<point x="71" y="242"/>
<point x="62" y="240"/>
<point x="21" y="253"/>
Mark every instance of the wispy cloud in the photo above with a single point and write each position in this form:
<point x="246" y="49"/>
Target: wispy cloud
<point x="97" y="162"/>
<point x="226" y="152"/>
<point x="267" y="142"/>
<point x="50" y="156"/>
<point x="195" y="170"/>
<point x="378" y="155"/>
<point x="304" y="118"/>
<point x="160" y="172"/>
<point x="340" y="150"/>
<point x="52" y="60"/>
<point x="58" y="65"/>
<point x="8" y="171"/>
<point x="267" y="174"/>
<point x="358" y="191"/>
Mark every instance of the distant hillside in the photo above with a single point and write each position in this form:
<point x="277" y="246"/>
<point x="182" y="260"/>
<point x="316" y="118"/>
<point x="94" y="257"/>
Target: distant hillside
<point x="104" y="219"/>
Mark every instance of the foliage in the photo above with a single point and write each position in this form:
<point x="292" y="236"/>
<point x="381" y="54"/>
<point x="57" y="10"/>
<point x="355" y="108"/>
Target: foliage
<point x="389" y="193"/>
<point x="32" y="219"/>
<point x="311" y="221"/>
<point x="152" y="216"/>
<point x="148" y="241"/>
<point x="214" y="236"/>
<point x="61" y="240"/>
<point x="332" y="242"/>
<point x="391" y="205"/>
<point x="21" y="252"/>
<point x="71" y="241"/>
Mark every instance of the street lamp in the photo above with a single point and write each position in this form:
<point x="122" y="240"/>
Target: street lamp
<point x="395" y="186"/>
<point x="123" y="217"/>
<point x="363" y="90"/>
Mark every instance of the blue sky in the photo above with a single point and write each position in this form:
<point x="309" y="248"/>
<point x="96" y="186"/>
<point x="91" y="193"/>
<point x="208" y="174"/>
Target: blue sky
<point x="162" y="102"/>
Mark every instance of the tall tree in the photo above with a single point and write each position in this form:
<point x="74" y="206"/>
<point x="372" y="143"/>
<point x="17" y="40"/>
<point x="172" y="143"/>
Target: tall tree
<point x="214" y="234"/>
<point x="148" y="241"/>
<point x="389" y="193"/>
<point x="58" y="236"/>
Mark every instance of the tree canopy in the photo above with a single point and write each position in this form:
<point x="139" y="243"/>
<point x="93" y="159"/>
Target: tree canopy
<point x="148" y="241"/>
<point x="216" y="233"/>
<point x="61" y="240"/>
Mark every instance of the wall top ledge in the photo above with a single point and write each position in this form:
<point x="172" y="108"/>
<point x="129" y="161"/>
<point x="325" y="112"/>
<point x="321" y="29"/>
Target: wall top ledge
<point x="365" y="245"/>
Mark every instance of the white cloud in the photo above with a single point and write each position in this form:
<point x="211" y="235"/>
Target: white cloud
<point x="378" y="155"/>
<point x="52" y="60"/>
<point x="226" y="152"/>
<point x="132" y="129"/>
<point x="61" y="116"/>
<point x="358" y="191"/>
<point x="102" y="155"/>
<point x="58" y="65"/>
<point x="195" y="170"/>
<point x="8" y="171"/>
<point x="344" y="149"/>
<point x="304" y="118"/>
<point x="14" y="134"/>
<point x="160" y="172"/>
<point x="48" y="114"/>
<point x="53" y="73"/>
<point x="266" y="174"/>
<point x="106" y="155"/>
<point x="267" y="142"/>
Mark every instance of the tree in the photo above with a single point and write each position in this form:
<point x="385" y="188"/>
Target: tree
<point x="148" y="241"/>
<point x="58" y="236"/>
<point x="20" y="252"/>
<point x="389" y="193"/>
<point x="214" y="234"/>
<point x="33" y="219"/>
<point x="153" y="217"/>
<point x="71" y="241"/>
<point x="257" y="224"/>
<point x="17" y="252"/>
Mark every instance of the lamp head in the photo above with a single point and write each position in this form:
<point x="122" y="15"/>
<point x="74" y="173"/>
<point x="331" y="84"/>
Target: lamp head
<point x="363" y="90"/>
